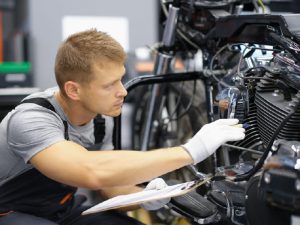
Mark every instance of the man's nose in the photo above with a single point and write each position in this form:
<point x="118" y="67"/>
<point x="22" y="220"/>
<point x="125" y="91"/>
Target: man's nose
<point x="122" y="92"/>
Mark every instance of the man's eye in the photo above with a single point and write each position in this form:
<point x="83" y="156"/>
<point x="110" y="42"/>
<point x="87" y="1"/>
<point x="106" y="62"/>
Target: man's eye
<point x="108" y="85"/>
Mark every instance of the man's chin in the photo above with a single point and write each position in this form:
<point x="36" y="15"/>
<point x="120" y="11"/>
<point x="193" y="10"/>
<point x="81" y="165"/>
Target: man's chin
<point x="116" y="115"/>
<point x="113" y="114"/>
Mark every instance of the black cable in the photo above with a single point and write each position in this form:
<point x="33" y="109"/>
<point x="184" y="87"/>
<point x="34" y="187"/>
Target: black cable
<point x="189" y="105"/>
<point x="211" y="66"/>
<point x="162" y="121"/>
<point x="170" y="118"/>
<point x="177" y="104"/>
<point x="230" y="47"/>
<point x="176" y="108"/>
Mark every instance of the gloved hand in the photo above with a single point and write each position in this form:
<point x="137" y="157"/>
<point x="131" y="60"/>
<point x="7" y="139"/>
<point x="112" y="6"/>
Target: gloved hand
<point x="211" y="136"/>
<point x="155" y="184"/>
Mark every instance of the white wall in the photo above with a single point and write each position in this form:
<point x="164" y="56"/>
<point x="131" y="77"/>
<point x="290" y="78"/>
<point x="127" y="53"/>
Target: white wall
<point x="45" y="27"/>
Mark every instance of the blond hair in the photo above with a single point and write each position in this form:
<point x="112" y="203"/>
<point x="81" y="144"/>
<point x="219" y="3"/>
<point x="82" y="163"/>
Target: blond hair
<point x="80" y="51"/>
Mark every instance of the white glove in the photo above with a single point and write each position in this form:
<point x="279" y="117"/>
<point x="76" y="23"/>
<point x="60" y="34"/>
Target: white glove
<point x="211" y="136"/>
<point x="155" y="184"/>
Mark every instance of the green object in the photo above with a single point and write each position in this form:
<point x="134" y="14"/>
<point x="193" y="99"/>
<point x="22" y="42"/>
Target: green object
<point x="15" y="67"/>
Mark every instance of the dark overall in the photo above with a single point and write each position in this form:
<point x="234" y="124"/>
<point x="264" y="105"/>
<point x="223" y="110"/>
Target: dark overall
<point x="33" y="199"/>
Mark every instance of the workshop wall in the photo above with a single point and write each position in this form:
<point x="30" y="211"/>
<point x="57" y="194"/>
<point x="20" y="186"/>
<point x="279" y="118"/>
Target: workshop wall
<point x="45" y="25"/>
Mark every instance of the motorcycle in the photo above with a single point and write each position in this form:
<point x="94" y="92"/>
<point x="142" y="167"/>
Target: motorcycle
<point x="247" y="66"/>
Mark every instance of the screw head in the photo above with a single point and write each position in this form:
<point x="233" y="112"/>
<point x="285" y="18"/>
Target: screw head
<point x="267" y="178"/>
<point x="297" y="185"/>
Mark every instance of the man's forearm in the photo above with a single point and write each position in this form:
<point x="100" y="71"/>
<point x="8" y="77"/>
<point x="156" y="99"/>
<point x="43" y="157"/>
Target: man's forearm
<point x="132" y="167"/>
<point x="70" y="163"/>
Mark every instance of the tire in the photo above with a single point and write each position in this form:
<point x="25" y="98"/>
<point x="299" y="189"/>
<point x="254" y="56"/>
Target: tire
<point x="179" y="128"/>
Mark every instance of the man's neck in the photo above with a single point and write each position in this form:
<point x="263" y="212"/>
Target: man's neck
<point x="73" y="110"/>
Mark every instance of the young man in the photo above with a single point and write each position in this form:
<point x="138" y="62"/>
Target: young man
<point x="47" y="144"/>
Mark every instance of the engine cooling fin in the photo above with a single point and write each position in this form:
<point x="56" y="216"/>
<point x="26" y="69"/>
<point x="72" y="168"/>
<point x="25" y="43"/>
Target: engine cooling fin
<point x="272" y="109"/>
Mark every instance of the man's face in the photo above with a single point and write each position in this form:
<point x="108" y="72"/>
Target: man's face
<point x="105" y="93"/>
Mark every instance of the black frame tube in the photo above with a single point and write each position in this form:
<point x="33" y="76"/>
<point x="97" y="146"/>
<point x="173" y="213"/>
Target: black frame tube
<point x="149" y="80"/>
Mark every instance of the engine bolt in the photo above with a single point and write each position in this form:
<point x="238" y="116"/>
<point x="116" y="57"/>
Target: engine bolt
<point x="267" y="178"/>
<point x="297" y="185"/>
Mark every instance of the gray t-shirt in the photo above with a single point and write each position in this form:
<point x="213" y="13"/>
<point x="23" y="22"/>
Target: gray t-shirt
<point x="30" y="128"/>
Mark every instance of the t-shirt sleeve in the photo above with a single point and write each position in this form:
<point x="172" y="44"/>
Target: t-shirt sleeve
<point x="32" y="130"/>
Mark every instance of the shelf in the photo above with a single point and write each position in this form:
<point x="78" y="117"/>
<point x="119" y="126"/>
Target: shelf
<point x="7" y="4"/>
<point x="15" y="67"/>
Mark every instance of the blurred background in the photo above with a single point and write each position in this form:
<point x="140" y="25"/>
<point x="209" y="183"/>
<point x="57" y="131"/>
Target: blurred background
<point x="31" y="31"/>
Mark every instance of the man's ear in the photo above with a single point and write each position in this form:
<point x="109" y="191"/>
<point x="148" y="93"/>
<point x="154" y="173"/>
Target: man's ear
<point x="72" y="90"/>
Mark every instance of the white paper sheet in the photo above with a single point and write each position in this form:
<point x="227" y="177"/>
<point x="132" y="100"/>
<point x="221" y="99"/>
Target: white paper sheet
<point x="145" y="196"/>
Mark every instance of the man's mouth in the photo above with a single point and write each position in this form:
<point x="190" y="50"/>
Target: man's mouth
<point x="119" y="103"/>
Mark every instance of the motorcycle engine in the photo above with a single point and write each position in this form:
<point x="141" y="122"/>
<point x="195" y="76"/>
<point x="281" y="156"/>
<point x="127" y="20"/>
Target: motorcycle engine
<point x="268" y="101"/>
<point x="271" y="108"/>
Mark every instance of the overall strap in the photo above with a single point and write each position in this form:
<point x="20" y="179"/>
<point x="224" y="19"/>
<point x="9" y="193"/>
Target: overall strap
<point x="99" y="128"/>
<point x="99" y="121"/>
<point x="46" y="104"/>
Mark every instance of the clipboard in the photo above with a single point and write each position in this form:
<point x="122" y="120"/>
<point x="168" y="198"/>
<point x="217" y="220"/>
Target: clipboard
<point x="146" y="196"/>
